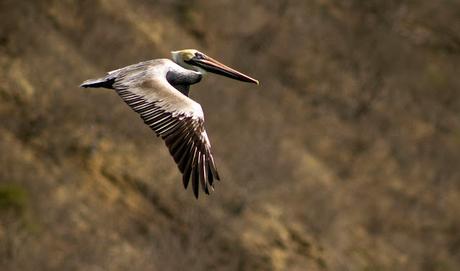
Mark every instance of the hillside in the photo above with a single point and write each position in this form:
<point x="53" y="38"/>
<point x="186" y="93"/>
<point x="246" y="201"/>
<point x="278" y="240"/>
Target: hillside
<point x="345" y="158"/>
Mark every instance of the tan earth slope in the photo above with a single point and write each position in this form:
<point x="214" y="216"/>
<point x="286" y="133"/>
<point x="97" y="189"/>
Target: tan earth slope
<point x="345" y="158"/>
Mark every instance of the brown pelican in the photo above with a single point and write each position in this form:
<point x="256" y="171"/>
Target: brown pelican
<point x="158" y="91"/>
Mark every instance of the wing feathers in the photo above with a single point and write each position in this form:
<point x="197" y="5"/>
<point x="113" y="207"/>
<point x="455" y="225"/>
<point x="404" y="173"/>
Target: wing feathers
<point x="187" y="171"/>
<point x="185" y="137"/>
<point x="195" y="174"/>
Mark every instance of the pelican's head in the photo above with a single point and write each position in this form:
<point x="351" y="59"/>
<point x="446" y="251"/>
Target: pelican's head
<point x="194" y="60"/>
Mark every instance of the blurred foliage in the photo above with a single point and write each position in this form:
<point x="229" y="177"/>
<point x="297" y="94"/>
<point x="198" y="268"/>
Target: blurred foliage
<point x="12" y="197"/>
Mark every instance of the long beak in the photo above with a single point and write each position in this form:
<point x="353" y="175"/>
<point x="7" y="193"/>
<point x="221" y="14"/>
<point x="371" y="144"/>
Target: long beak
<point x="214" y="66"/>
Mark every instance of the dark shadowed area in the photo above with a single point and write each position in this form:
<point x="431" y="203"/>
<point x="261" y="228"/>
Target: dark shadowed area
<point x="345" y="158"/>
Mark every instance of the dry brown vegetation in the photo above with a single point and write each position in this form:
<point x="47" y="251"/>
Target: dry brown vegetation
<point x="345" y="158"/>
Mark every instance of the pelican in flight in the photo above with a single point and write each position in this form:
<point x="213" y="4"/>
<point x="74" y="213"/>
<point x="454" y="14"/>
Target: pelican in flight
<point x="158" y="91"/>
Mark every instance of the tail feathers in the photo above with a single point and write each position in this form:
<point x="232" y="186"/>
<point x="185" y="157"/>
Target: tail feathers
<point x="103" y="82"/>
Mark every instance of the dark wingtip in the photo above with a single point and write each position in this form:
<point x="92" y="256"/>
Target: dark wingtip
<point x="195" y="184"/>
<point x="195" y="192"/>
<point x="185" y="180"/>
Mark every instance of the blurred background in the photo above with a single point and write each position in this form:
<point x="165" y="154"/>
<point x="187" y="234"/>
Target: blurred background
<point x="345" y="158"/>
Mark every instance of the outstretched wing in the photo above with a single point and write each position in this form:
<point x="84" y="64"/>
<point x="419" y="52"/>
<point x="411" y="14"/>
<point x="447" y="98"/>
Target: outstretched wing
<point x="174" y="117"/>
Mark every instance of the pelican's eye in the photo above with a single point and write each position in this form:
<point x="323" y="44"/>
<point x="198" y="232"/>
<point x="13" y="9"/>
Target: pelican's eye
<point x="199" y="55"/>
